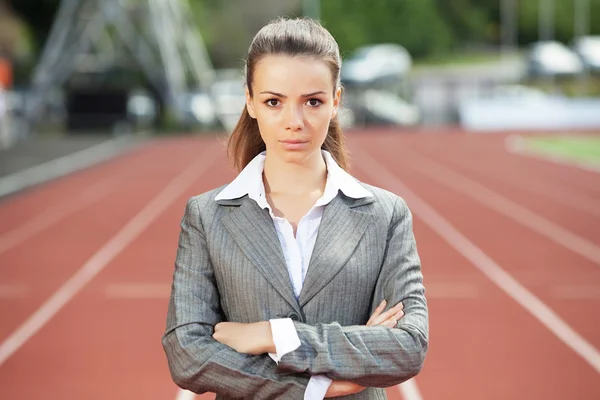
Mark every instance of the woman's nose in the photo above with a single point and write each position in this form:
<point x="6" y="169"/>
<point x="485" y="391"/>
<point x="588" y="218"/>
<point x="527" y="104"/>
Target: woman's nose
<point x="295" y="118"/>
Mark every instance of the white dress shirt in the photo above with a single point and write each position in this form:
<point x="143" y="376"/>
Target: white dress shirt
<point x="296" y="250"/>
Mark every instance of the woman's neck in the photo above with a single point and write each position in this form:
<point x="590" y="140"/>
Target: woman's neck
<point x="295" y="179"/>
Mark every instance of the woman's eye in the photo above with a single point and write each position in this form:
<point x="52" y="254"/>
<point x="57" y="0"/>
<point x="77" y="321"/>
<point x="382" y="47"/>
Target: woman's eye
<point x="314" y="102"/>
<point x="272" y="102"/>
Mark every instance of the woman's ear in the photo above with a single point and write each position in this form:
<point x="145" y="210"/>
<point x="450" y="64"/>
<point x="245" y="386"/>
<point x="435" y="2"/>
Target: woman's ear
<point x="249" y="105"/>
<point x="336" y="101"/>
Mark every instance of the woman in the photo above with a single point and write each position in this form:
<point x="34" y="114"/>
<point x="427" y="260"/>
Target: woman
<point x="282" y="277"/>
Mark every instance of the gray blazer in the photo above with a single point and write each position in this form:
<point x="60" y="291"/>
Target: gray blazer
<point x="230" y="267"/>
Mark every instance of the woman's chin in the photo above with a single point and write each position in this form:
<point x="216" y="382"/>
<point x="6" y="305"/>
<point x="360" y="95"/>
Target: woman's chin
<point x="296" y="156"/>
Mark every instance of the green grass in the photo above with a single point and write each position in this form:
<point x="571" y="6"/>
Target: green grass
<point x="462" y="59"/>
<point x="584" y="149"/>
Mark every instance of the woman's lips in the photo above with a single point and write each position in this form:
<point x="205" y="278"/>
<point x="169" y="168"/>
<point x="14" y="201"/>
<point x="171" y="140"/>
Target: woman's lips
<point x="293" y="144"/>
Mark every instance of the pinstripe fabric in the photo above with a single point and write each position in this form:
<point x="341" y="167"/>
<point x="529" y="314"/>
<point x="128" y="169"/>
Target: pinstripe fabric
<point x="230" y="267"/>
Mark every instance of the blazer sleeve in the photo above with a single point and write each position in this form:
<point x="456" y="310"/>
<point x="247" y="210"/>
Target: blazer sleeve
<point x="374" y="356"/>
<point x="196" y="361"/>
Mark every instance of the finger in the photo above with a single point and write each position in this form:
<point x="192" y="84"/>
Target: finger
<point x="397" y="317"/>
<point x="377" y="311"/>
<point x="380" y="308"/>
<point x="393" y="321"/>
<point x="388" y="314"/>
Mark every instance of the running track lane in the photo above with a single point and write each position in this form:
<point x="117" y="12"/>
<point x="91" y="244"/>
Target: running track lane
<point x="77" y="346"/>
<point x="144" y="375"/>
<point x="55" y="363"/>
<point x="564" y="278"/>
<point x="528" y="183"/>
<point x="33" y="269"/>
<point x="544" y="265"/>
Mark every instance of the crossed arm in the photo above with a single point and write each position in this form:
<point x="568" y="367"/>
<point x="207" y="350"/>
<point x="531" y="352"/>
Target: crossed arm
<point x="374" y="356"/>
<point x="201" y="360"/>
<point x="257" y="338"/>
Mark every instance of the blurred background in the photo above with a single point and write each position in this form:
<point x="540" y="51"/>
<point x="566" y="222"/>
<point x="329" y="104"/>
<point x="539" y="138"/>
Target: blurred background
<point x="483" y="114"/>
<point x="130" y="66"/>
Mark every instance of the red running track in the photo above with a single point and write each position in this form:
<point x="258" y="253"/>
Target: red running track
<point x="513" y="303"/>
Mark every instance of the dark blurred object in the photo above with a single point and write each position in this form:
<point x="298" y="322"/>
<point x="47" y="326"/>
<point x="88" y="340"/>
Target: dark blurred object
<point x="552" y="59"/>
<point x="115" y="109"/>
<point x="99" y="52"/>
<point x="97" y="109"/>
<point x="588" y="49"/>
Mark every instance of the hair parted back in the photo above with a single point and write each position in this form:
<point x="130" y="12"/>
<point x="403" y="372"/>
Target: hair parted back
<point x="292" y="37"/>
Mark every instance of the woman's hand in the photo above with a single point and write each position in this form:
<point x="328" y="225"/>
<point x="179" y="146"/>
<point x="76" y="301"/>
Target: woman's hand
<point x="254" y="339"/>
<point x="257" y="338"/>
<point x="343" y="388"/>
<point x="390" y="319"/>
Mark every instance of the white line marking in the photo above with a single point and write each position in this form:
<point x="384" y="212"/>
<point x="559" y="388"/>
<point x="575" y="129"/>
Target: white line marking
<point x="107" y="253"/>
<point x="61" y="166"/>
<point x="485" y="264"/>
<point x="506" y="207"/>
<point x="138" y="291"/>
<point x="556" y="192"/>
<point x="578" y="292"/>
<point x="516" y="144"/>
<point x="12" y="291"/>
<point x="409" y="390"/>
<point x="53" y="215"/>
<point x="185" y="395"/>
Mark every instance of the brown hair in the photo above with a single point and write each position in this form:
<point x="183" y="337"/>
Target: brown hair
<point x="292" y="37"/>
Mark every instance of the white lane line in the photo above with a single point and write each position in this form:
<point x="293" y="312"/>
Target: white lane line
<point x="516" y="144"/>
<point x="54" y="214"/>
<point x="556" y="192"/>
<point x="12" y="291"/>
<point x="507" y="207"/>
<point x="484" y="263"/>
<point x="137" y="291"/>
<point x="185" y="395"/>
<point x="107" y="253"/>
<point x="409" y="390"/>
<point x="62" y="166"/>
<point x="578" y="292"/>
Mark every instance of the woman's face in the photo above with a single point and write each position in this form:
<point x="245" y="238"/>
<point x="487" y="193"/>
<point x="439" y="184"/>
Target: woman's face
<point x="293" y="102"/>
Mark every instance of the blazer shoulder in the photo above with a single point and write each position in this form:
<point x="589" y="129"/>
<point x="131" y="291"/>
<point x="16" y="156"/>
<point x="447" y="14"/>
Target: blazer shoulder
<point x="205" y="200"/>
<point x="390" y="207"/>
<point x="384" y="197"/>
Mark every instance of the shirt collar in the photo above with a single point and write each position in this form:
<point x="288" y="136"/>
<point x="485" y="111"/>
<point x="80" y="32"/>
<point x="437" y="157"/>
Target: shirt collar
<point x="249" y="182"/>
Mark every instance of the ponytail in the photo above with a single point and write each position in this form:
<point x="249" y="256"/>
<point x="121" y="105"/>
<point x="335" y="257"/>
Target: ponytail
<point x="245" y="141"/>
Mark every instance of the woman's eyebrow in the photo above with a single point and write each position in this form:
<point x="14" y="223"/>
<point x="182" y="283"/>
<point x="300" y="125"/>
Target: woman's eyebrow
<point x="284" y="96"/>
<point x="273" y="93"/>
<point x="313" y="93"/>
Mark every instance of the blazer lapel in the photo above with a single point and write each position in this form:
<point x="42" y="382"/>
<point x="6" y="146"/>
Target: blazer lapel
<point x="253" y="230"/>
<point x="341" y="229"/>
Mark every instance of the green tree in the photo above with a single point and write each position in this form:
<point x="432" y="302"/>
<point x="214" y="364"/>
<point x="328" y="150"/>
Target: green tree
<point x="564" y="20"/>
<point x="416" y="25"/>
<point x="38" y="15"/>
<point x="468" y="20"/>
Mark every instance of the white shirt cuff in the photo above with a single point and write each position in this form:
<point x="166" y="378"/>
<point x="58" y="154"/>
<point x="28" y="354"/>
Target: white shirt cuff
<point x="317" y="387"/>
<point x="285" y="337"/>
